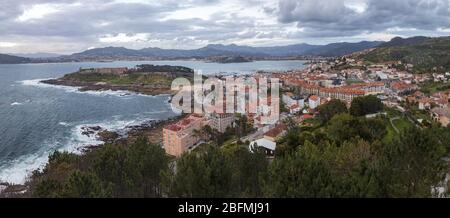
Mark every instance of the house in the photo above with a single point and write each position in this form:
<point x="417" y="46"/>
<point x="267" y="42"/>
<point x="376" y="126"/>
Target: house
<point x="287" y="99"/>
<point x="441" y="115"/>
<point x="425" y="103"/>
<point x="402" y="87"/>
<point x="294" y="109"/>
<point x="221" y="121"/>
<point x="381" y="75"/>
<point x="314" y="101"/>
<point x="268" y="146"/>
<point x="179" y="137"/>
<point x="441" y="99"/>
<point x="290" y="100"/>
<point x="276" y="133"/>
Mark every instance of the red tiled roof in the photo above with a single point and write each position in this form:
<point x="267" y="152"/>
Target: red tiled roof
<point x="307" y="116"/>
<point x="314" y="98"/>
<point x="173" y="127"/>
<point x="276" y="131"/>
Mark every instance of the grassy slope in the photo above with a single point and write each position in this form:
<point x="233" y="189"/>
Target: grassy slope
<point x="433" y="87"/>
<point x="131" y="79"/>
<point x="430" y="55"/>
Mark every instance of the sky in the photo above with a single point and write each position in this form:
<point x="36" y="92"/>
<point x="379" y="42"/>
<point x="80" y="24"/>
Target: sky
<point x="68" y="26"/>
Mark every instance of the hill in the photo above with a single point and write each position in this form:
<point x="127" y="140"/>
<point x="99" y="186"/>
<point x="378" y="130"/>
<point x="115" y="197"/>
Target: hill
<point x="422" y="54"/>
<point x="9" y="59"/>
<point x="335" y="49"/>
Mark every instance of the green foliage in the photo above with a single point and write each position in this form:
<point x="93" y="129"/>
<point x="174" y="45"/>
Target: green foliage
<point x="365" y="105"/>
<point x="413" y="163"/>
<point x="433" y="87"/>
<point x="47" y="188"/>
<point x="332" y="108"/>
<point x="202" y="174"/>
<point x="129" y="79"/>
<point x="431" y="55"/>
<point x="112" y="170"/>
<point x="344" y="127"/>
<point x="212" y="172"/>
<point x="344" y="158"/>
<point x="84" y="185"/>
<point x="324" y="171"/>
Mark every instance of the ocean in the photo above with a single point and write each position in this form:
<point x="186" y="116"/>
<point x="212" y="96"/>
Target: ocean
<point x="37" y="119"/>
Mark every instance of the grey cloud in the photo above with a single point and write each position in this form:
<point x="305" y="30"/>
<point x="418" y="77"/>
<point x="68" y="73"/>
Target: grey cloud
<point x="81" y="23"/>
<point x="335" y="18"/>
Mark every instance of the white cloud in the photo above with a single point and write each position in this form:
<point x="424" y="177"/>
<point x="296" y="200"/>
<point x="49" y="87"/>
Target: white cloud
<point x="38" y="12"/>
<point x="203" y="13"/>
<point x="7" y="44"/>
<point x="123" y="37"/>
<point x="66" y="26"/>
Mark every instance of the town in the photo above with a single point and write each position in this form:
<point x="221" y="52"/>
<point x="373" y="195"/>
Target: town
<point x="417" y="96"/>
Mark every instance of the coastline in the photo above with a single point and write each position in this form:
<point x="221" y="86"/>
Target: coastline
<point x="151" y="129"/>
<point x="85" y="86"/>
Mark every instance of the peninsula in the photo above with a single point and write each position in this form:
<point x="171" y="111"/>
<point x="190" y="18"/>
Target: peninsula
<point x="144" y="79"/>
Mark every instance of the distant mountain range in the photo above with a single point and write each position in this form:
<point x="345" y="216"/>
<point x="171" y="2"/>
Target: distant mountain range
<point x="213" y="50"/>
<point x="10" y="59"/>
<point x="335" y="49"/>
<point x="36" y="55"/>
<point x="423" y="53"/>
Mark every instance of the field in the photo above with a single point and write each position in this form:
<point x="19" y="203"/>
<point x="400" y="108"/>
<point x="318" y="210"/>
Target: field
<point x="433" y="87"/>
<point x="397" y="123"/>
<point x="130" y="79"/>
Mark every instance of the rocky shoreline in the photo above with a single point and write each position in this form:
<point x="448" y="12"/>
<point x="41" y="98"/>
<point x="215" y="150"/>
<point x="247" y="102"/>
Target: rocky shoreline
<point x="151" y="129"/>
<point x="87" y="86"/>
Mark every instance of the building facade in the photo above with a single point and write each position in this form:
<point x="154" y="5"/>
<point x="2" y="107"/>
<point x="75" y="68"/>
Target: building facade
<point x="180" y="137"/>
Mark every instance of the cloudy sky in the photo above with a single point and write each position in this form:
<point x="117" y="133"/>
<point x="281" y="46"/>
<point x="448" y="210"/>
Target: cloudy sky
<point x="66" y="26"/>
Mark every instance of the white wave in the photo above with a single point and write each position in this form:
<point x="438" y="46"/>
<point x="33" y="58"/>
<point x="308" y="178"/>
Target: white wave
<point x="63" y="124"/>
<point x="75" y="89"/>
<point x="16" y="103"/>
<point x="17" y="171"/>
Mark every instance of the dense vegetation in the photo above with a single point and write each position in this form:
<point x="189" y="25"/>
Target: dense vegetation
<point x="433" y="87"/>
<point x="112" y="79"/>
<point x="426" y="54"/>
<point x="149" y="68"/>
<point x="345" y="156"/>
<point x="365" y="105"/>
<point x="144" y="74"/>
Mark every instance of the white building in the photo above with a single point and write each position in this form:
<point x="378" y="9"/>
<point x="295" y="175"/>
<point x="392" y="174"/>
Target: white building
<point x="314" y="101"/>
<point x="269" y="146"/>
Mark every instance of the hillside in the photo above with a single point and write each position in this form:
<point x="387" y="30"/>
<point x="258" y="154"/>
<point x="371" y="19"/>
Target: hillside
<point x="334" y="49"/>
<point x="343" y="48"/>
<point x="9" y="59"/>
<point x="146" y="79"/>
<point x="425" y="54"/>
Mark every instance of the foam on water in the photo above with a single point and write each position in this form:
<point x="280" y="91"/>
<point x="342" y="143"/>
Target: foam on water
<point x="72" y="139"/>
<point x="63" y="124"/>
<point x="18" y="170"/>
<point x="75" y="89"/>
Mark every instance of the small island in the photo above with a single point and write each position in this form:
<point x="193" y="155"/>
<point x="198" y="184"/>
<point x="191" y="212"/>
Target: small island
<point x="229" y="59"/>
<point x="144" y="79"/>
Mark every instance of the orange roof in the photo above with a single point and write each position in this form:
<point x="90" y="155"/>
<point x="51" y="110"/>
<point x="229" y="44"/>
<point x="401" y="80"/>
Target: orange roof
<point x="276" y="131"/>
<point x="183" y="123"/>
<point x="295" y="106"/>
<point x="314" y="98"/>
<point x="307" y="116"/>
<point x="173" y="127"/>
